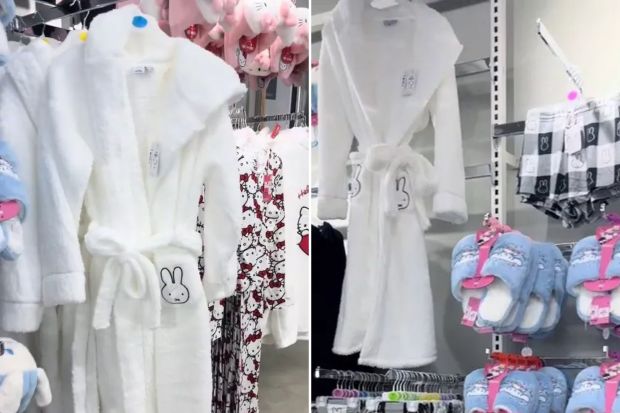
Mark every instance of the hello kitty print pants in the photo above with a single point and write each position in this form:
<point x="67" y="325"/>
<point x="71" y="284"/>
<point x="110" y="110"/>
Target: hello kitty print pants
<point x="236" y="322"/>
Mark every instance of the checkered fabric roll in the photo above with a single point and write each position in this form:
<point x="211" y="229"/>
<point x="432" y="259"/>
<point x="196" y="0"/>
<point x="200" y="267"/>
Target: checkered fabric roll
<point x="571" y="186"/>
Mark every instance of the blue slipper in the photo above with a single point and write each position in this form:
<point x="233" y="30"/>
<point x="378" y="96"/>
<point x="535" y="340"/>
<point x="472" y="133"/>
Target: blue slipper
<point x="518" y="393"/>
<point x="476" y="392"/>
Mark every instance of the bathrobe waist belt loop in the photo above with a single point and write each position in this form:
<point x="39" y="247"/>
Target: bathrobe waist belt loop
<point x="128" y="268"/>
<point x="395" y="162"/>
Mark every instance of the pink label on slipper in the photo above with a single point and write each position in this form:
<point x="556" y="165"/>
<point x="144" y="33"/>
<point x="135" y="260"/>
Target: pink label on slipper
<point x="608" y="237"/>
<point x="471" y="312"/>
<point x="610" y="371"/>
<point x="602" y="285"/>
<point x="484" y="330"/>
<point x="478" y="282"/>
<point x="9" y="210"/>
<point x="600" y="312"/>
<point x="494" y="386"/>
<point x="486" y="239"/>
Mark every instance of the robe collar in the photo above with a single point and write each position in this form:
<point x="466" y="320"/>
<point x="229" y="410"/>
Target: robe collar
<point x="434" y="47"/>
<point x="199" y="84"/>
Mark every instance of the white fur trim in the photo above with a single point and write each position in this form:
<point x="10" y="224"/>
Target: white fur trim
<point x="332" y="208"/>
<point x="397" y="364"/>
<point x="68" y="288"/>
<point x="20" y="317"/>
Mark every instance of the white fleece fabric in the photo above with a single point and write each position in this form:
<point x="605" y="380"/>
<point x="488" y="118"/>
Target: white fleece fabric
<point x="131" y="130"/>
<point x="291" y="322"/>
<point x="384" y="74"/>
<point x="21" y="85"/>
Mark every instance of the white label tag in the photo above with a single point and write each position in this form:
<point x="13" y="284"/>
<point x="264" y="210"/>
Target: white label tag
<point x="142" y="70"/>
<point x="154" y="157"/>
<point x="408" y="82"/>
<point x="573" y="138"/>
<point x="383" y="4"/>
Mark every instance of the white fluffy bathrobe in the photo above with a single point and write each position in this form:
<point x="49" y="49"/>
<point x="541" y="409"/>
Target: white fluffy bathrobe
<point x="136" y="122"/>
<point x="384" y="74"/>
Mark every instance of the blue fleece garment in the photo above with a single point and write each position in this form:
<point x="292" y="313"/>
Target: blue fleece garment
<point x="11" y="187"/>
<point x="30" y="386"/>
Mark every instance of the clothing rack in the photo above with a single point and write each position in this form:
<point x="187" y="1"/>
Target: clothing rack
<point x="390" y="377"/>
<point x="509" y="129"/>
<point x="48" y="14"/>
<point x="277" y="118"/>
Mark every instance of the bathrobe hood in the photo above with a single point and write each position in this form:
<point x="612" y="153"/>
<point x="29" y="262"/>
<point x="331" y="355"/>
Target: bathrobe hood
<point x="193" y="96"/>
<point x="434" y="46"/>
<point x="27" y="74"/>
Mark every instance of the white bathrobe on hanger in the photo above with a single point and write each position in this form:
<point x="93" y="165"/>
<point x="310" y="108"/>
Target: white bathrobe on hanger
<point x="136" y="122"/>
<point x="384" y="75"/>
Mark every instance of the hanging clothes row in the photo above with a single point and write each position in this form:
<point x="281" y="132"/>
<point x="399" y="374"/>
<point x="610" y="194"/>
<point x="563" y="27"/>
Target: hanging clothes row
<point x="396" y="390"/>
<point x="267" y="306"/>
<point x="125" y="143"/>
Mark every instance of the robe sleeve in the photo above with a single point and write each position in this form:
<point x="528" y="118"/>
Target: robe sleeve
<point x="222" y="215"/>
<point x="335" y="139"/>
<point x="449" y="202"/>
<point x="65" y="162"/>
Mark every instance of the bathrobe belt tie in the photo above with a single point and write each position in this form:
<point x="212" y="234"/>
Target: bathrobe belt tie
<point x="128" y="269"/>
<point x="396" y="162"/>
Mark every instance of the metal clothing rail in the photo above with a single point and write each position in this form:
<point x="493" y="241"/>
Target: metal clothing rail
<point x="48" y="14"/>
<point x="391" y="376"/>
<point x="277" y="118"/>
<point x="508" y="129"/>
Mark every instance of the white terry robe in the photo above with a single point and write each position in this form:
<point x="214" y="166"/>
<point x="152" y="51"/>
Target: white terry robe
<point x="383" y="75"/>
<point x="21" y="296"/>
<point x="136" y="122"/>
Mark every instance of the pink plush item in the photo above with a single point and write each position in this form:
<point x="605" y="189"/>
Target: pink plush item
<point x="287" y="24"/>
<point x="285" y="58"/>
<point x="215" y="10"/>
<point x="258" y="62"/>
<point x="298" y="75"/>
<point x="251" y="18"/>
<point x="186" y="20"/>
<point x="127" y="3"/>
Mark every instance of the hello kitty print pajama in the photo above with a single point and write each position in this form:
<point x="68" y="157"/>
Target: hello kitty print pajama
<point x="237" y="321"/>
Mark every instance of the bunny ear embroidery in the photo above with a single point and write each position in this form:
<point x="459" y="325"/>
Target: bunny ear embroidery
<point x="166" y="276"/>
<point x="403" y="198"/>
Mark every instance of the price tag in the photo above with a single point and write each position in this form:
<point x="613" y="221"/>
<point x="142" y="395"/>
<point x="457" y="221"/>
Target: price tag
<point x="408" y="82"/>
<point x="154" y="158"/>
<point x="471" y="312"/>
<point x="600" y="313"/>
<point x="267" y="187"/>
<point x="573" y="138"/>
<point x="383" y="4"/>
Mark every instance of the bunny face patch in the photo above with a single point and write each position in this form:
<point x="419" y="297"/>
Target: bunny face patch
<point x="173" y="290"/>
<point x="403" y="198"/>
